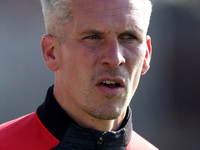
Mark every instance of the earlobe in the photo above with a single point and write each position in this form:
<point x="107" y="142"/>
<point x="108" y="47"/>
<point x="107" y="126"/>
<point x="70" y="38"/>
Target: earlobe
<point x="48" y="51"/>
<point x="147" y="59"/>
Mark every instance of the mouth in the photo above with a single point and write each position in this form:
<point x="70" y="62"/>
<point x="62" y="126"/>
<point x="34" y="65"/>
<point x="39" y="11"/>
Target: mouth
<point x="110" y="86"/>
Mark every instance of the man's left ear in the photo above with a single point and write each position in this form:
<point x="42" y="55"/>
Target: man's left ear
<point x="147" y="59"/>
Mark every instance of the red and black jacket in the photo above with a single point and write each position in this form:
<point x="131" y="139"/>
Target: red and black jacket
<point x="49" y="127"/>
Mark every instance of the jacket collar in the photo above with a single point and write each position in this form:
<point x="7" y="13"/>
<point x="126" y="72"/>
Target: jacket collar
<point x="55" y="119"/>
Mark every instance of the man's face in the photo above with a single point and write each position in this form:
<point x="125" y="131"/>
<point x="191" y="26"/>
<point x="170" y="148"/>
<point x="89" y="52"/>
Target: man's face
<point x="102" y="56"/>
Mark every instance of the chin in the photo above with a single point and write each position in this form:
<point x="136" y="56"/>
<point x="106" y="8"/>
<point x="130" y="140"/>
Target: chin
<point x="106" y="113"/>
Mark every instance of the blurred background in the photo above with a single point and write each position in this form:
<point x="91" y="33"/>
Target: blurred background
<point x="166" y="106"/>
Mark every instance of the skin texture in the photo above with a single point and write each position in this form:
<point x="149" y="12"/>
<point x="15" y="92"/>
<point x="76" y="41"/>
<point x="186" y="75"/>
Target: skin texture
<point x="105" y="41"/>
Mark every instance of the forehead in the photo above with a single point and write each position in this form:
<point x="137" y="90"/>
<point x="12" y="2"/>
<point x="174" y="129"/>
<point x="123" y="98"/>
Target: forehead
<point x="109" y="12"/>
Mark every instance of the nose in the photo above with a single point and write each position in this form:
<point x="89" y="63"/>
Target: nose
<point x="112" y="54"/>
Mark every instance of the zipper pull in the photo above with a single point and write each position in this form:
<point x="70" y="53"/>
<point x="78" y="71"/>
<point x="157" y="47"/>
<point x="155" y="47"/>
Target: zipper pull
<point x="100" y="141"/>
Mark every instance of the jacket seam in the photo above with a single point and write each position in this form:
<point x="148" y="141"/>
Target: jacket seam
<point x="45" y="130"/>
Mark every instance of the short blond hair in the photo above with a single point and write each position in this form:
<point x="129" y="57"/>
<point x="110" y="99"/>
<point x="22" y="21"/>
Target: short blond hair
<point x="57" y="13"/>
<point x="147" y="9"/>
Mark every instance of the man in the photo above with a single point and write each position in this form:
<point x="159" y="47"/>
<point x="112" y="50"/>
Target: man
<point x="98" y="50"/>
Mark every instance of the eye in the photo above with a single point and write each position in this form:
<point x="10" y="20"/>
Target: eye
<point x="92" y="37"/>
<point x="128" y="37"/>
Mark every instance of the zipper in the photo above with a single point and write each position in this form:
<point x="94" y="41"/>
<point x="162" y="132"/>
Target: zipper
<point x="99" y="143"/>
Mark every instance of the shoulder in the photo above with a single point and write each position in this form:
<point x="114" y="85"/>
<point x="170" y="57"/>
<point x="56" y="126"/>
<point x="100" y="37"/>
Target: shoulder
<point x="16" y="126"/>
<point x="26" y="132"/>
<point x="137" y="142"/>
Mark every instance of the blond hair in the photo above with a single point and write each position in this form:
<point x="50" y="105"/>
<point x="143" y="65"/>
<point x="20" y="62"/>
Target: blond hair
<point x="147" y="9"/>
<point x="57" y="13"/>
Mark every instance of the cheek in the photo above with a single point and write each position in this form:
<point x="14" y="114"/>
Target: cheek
<point x="78" y="64"/>
<point x="134" y="64"/>
<point x="68" y="70"/>
<point x="134" y="60"/>
<point x="134" y="77"/>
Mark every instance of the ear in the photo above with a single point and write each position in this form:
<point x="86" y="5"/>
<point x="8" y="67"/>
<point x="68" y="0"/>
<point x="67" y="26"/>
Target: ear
<point x="147" y="59"/>
<point x="48" y="45"/>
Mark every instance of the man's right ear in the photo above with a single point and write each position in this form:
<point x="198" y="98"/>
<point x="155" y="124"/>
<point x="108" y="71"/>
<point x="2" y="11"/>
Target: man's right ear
<point x="48" y="45"/>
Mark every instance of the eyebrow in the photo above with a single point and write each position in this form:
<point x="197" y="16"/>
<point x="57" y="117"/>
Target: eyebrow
<point x="129" y="30"/>
<point x="91" y="31"/>
<point x="135" y="29"/>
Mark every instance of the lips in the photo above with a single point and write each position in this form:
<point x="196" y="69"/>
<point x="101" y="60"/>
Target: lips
<point x="110" y="86"/>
